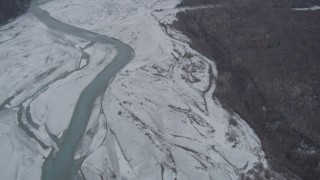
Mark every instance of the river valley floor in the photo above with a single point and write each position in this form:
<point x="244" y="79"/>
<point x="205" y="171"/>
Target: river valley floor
<point x="156" y="120"/>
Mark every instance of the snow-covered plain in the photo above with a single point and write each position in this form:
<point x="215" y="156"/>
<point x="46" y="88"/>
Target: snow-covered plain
<point x="157" y="119"/>
<point x="313" y="8"/>
<point x="160" y="118"/>
<point x="44" y="71"/>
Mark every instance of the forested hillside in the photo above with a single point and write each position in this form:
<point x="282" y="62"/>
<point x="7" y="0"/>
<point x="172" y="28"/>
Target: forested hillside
<point x="268" y="59"/>
<point x="12" y="8"/>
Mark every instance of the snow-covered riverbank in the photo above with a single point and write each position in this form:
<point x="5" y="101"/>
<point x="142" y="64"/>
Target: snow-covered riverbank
<point x="158" y="118"/>
<point x="46" y="69"/>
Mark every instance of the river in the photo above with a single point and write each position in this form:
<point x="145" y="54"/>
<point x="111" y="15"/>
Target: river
<point x="61" y="164"/>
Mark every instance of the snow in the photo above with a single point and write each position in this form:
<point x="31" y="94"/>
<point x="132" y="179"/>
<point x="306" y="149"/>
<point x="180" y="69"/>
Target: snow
<point x="55" y="106"/>
<point x="20" y="157"/>
<point x="157" y="119"/>
<point x="30" y="71"/>
<point x="27" y="62"/>
<point x="159" y="107"/>
<point x="313" y="8"/>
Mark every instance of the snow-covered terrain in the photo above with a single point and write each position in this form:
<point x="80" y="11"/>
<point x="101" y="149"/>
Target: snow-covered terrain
<point x="48" y="70"/>
<point x="157" y="119"/>
<point x="313" y="8"/>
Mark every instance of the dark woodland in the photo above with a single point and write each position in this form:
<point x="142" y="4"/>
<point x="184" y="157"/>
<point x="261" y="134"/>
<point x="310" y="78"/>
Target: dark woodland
<point x="268" y="60"/>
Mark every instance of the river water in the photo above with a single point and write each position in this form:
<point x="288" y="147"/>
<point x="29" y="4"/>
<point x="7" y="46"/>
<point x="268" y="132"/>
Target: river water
<point x="61" y="165"/>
